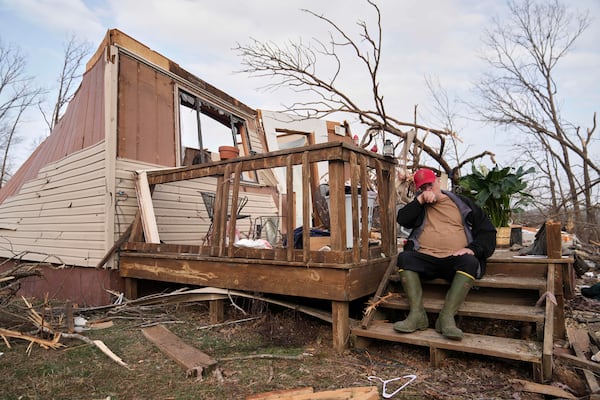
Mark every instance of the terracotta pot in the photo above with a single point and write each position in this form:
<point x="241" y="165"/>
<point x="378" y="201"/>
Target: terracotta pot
<point x="228" y="152"/>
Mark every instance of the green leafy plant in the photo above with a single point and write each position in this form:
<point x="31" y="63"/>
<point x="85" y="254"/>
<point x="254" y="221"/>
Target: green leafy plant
<point x="499" y="191"/>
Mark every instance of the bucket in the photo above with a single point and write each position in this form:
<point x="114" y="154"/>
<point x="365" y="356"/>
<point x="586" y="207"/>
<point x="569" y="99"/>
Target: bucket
<point x="371" y="196"/>
<point x="228" y="152"/>
<point x="503" y="237"/>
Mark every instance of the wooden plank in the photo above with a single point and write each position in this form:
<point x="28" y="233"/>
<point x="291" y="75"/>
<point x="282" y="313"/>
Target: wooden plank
<point x="548" y="346"/>
<point x="256" y="275"/>
<point x="280" y="394"/>
<point x="480" y="309"/>
<point x="289" y="206"/>
<point x="513" y="349"/>
<point x="351" y="393"/>
<point x="502" y="281"/>
<point x="234" y="206"/>
<point x="305" y="207"/>
<point x="579" y="362"/>
<point x="337" y="205"/>
<point x="193" y="360"/>
<point x="354" y="220"/>
<point x="511" y="282"/>
<point x="553" y="240"/>
<point x="532" y="387"/>
<point x="335" y="152"/>
<point x="363" y="183"/>
<point x="122" y="239"/>
<point x="580" y="343"/>
<point x="147" y="209"/>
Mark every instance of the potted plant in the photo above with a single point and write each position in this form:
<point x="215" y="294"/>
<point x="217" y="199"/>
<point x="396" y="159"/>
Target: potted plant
<point x="500" y="192"/>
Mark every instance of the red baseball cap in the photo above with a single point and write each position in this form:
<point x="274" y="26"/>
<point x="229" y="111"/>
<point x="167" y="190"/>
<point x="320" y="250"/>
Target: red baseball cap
<point x="423" y="176"/>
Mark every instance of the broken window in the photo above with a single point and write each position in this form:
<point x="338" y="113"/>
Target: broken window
<point x="204" y="128"/>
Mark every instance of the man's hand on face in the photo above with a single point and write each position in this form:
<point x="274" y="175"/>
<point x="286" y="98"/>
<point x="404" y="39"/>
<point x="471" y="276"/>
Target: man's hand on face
<point x="427" y="197"/>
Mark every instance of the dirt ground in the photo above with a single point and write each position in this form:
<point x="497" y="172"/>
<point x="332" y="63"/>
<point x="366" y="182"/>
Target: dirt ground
<point x="264" y="348"/>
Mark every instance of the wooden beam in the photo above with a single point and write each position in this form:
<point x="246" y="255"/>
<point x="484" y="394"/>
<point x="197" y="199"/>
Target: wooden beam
<point x="193" y="360"/>
<point x="122" y="239"/>
<point x="579" y="362"/>
<point x="144" y="199"/>
<point x="580" y="343"/>
<point x="553" y="240"/>
<point x="548" y="344"/>
<point x="337" y="206"/>
<point x="340" y="313"/>
<point x="354" y="393"/>
<point x="216" y="311"/>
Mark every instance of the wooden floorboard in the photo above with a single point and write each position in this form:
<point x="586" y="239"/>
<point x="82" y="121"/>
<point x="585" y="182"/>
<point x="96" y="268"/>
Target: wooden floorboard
<point x="513" y="349"/>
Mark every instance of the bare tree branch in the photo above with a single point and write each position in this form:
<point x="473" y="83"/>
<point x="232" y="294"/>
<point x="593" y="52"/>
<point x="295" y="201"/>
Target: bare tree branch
<point x="17" y="94"/>
<point x="314" y="71"/>
<point x="520" y="91"/>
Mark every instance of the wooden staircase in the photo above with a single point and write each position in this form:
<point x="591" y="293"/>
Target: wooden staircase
<point x="530" y="291"/>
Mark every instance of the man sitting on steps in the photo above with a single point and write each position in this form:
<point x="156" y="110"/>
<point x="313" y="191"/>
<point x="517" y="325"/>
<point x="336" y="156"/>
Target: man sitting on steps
<point x="451" y="238"/>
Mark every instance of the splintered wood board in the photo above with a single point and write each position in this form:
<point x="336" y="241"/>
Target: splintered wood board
<point x="192" y="359"/>
<point x="352" y="393"/>
<point x="580" y="342"/>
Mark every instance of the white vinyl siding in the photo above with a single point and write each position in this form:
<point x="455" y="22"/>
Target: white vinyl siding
<point x="59" y="216"/>
<point x="180" y="213"/>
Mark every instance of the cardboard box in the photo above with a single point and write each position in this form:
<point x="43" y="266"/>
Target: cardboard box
<point x="318" y="242"/>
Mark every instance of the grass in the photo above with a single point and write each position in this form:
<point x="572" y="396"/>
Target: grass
<point x="82" y="371"/>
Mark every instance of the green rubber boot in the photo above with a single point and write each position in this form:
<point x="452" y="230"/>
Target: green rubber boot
<point x="417" y="317"/>
<point x="445" y="324"/>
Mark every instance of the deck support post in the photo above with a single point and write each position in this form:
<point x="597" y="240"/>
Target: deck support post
<point x="216" y="311"/>
<point x="340" y="312"/>
<point x="436" y="356"/>
<point x="131" y="288"/>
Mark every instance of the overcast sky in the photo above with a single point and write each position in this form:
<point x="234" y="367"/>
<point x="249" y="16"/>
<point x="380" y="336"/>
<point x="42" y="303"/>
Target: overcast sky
<point x="440" y="39"/>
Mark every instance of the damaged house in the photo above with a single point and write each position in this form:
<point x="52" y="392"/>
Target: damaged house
<point x="153" y="175"/>
<point x="138" y="147"/>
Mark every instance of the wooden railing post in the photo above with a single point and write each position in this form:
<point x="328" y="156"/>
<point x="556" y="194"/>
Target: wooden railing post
<point x="337" y="205"/>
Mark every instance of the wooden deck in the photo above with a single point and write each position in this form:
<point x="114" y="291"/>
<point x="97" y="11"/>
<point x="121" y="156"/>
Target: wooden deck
<point x="531" y="291"/>
<point x="348" y="271"/>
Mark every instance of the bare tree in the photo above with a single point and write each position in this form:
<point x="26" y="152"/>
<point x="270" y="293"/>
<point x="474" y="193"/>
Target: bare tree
<point x="75" y="52"/>
<point x="520" y="91"/>
<point x="302" y="67"/>
<point x="17" y="94"/>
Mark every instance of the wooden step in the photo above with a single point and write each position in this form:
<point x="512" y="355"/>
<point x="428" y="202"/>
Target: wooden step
<point x="513" y="349"/>
<point x="512" y="282"/>
<point x="510" y="312"/>
<point x="496" y="281"/>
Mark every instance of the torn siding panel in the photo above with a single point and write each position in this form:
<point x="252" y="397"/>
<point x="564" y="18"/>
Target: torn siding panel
<point x="60" y="214"/>
<point x="70" y="134"/>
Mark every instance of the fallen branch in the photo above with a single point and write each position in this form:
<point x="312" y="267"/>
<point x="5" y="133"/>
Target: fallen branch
<point x="227" y="323"/>
<point x="44" y="343"/>
<point x="372" y="306"/>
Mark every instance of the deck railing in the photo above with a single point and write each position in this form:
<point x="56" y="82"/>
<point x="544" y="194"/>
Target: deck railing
<point x="346" y="162"/>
